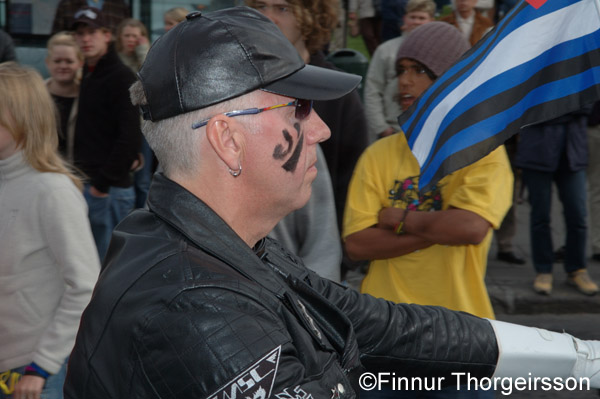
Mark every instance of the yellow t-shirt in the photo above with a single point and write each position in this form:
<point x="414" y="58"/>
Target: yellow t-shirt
<point x="450" y="276"/>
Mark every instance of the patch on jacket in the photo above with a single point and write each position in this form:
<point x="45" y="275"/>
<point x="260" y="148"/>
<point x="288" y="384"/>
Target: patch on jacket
<point x="256" y="382"/>
<point x="297" y="393"/>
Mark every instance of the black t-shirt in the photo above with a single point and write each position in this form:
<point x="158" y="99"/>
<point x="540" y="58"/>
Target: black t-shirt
<point x="64" y="105"/>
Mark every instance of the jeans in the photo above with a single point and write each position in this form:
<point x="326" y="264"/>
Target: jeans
<point x="450" y="392"/>
<point x="53" y="389"/>
<point x="106" y="212"/>
<point x="572" y="194"/>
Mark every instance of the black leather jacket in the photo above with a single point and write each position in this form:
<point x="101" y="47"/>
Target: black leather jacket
<point x="184" y="309"/>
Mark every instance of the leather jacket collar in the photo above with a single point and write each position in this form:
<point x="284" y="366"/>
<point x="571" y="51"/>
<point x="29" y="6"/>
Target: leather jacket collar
<point x="194" y="219"/>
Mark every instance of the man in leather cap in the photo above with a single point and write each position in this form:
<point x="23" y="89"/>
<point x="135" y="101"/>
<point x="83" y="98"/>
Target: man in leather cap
<point x="194" y="302"/>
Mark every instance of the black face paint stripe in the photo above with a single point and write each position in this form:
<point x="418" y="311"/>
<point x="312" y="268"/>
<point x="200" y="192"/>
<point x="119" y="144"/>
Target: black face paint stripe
<point x="290" y="165"/>
<point x="279" y="153"/>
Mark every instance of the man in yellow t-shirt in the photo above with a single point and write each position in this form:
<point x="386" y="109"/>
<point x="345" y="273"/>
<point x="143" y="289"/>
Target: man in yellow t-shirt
<point x="446" y="252"/>
<point x="427" y="248"/>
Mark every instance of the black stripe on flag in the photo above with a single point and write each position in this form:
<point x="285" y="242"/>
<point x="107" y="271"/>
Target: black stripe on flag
<point x="467" y="156"/>
<point x="510" y="97"/>
<point x="458" y="75"/>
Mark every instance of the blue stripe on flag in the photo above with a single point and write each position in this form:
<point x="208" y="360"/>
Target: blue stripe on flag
<point x="473" y="59"/>
<point x="492" y="126"/>
<point x="520" y="24"/>
<point x="515" y="76"/>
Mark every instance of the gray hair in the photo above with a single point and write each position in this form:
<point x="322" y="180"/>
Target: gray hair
<point x="174" y="142"/>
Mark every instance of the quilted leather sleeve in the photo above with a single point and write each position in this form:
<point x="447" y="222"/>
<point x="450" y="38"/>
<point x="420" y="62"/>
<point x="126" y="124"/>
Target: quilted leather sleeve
<point x="414" y="340"/>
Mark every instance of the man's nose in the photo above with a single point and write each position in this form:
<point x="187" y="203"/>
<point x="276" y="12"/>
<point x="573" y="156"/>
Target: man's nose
<point x="318" y="131"/>
<point x="405" y="79"/>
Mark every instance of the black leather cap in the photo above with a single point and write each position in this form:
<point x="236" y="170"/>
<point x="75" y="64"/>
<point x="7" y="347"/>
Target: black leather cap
<point x="213" y="57"/>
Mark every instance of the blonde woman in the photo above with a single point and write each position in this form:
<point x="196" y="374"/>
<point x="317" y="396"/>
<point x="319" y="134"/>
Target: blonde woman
<point x="174" y="16"/>
<point x="64" y="62"/>
<point x="48" y="261"/>
<point x="132" y="43"/>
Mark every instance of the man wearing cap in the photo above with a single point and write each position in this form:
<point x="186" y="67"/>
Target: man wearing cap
<point x="113" y="11"/>
<point x="193" y="301"/>
<point x="107" y="130"/>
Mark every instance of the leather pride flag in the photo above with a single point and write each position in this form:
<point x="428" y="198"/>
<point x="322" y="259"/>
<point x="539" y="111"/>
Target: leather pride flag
<point x="535" y="65"/>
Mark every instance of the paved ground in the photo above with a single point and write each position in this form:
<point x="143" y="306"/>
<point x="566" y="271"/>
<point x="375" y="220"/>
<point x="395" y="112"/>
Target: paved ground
<point x="566" y="309"/>
<point x="509" y="285"/>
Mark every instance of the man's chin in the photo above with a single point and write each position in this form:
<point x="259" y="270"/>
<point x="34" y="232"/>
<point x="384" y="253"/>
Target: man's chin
<point x="303" y="197"/>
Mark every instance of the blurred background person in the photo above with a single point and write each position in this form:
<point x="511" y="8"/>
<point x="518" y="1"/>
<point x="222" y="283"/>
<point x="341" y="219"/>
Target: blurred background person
<point x="132" y="45"/>
<point x="308" y="25"/>
<point x="392" y="15"/>
<point x="468" y="20"/>
<point x="7" y="47"/>
<point x="368" y="15"/>
<point x="113" y="11"/>
<point x="174" y="16"/>
<point x="64" y="62"/>
<point x="381" y="83"/>
<point x="48" y="260"/>
<point x="556" y="152"/>
<point x="107" y="130"/>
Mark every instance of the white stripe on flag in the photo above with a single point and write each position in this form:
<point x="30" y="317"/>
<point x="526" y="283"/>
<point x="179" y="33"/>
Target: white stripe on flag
<point x="522" y="45"/>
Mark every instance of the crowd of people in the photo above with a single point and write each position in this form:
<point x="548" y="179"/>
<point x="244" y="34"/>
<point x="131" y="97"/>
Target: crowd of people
<point x="201" y="227"/>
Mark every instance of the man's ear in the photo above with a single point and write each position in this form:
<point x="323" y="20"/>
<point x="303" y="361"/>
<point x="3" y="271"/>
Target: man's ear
<point x="108" y="36"/>
<point x="226" y="139"/>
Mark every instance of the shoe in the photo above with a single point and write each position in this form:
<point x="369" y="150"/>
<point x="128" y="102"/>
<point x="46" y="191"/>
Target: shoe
<point x="510" y="257"/>
<point x="543" y="283"/>
<point x="582" y="281"/>
<point x="596" y="257"/>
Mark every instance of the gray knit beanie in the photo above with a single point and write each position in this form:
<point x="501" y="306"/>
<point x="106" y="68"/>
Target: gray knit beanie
<point x="437" y="45"/>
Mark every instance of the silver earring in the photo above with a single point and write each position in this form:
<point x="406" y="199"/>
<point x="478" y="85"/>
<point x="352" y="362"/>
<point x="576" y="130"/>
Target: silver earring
<point x="237" y="172"/>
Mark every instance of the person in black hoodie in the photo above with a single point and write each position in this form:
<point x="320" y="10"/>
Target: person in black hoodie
<point x="308" y="25"/>
<point x="107" y="131"/>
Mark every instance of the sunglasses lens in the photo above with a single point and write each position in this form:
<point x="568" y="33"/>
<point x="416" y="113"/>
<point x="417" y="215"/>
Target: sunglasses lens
<point x="303" y="108"/>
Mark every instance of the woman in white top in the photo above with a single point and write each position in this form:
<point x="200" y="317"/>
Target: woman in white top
<point x="48" y="262"/>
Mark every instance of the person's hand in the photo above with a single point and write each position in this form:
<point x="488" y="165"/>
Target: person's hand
<point x="138" y="163"/>
<point x="143" y="40"/>
<point x="29" y="387"/>
<point x="387" y="132"/>
<point x="352" y="15"/>
<point x="390" y="217"/>
<point x="97" y="193"/>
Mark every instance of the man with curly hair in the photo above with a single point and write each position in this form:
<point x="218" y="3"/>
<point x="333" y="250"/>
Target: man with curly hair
<point x="308" y="24"/>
